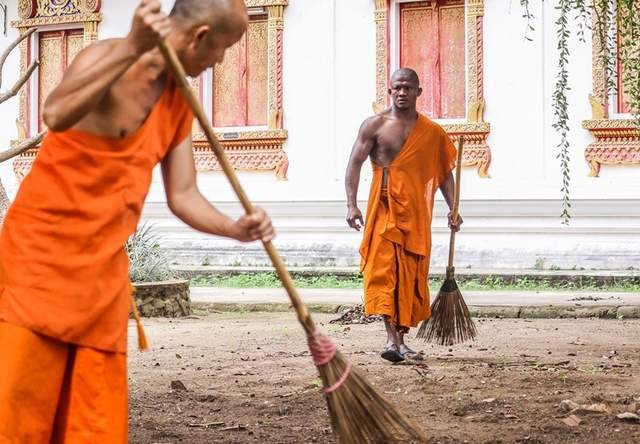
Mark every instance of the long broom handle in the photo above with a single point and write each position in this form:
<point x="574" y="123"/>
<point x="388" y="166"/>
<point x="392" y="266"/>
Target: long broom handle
<point x="301" y="310"/>
<point x="456" y="200"/>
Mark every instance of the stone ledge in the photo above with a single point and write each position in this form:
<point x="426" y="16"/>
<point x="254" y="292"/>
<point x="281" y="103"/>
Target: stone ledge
<point x="168" y="299"/>
<point x="512" y="312"/>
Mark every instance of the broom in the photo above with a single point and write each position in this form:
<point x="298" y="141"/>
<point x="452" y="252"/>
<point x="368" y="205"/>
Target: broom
<point x="450" y="322"/>
<point x="359" y="414"/>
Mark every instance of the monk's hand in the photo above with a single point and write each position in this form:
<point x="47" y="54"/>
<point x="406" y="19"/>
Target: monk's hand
<point x="454" y="224"/>
<point x="150" y="25"/>
<point x="253" y="227"/>
<point x="354" y="218"/>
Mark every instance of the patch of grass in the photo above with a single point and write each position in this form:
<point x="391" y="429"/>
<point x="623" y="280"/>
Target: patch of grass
<point x="270" y="280"/>
<point x="491" y="283"/>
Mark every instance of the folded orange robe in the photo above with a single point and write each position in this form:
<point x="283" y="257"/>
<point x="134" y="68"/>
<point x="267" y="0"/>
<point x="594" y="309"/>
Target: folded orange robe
<point x="63" y="268"/>
<point x="54" y="392"/>
<point x="396" y="244"/>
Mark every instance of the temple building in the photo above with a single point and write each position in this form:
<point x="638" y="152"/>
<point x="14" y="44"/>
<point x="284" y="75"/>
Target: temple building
<point x="290" y="96"/>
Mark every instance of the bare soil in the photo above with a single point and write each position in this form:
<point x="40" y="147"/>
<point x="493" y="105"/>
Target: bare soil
<point x="249" y="378"/>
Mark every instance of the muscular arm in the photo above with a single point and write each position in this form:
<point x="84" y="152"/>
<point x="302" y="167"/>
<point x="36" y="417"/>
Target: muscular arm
<point x="361" y="150"/>
<point x="189" y="205"/>
<point x="447" y="188"/>
<point x="87" y="81"/>
<point x="95" y="69"/>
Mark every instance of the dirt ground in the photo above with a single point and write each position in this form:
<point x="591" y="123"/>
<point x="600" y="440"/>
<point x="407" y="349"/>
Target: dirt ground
<point x="249" y="378"/>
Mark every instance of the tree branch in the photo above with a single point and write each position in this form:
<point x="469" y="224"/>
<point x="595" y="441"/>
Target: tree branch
<point x="7" y="51"/>
<point x="20" y="83"/>
<point x="22" y="147"/>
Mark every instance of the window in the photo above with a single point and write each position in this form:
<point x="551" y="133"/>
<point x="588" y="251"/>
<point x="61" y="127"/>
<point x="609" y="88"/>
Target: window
<point x="240" y="82"/>
<point x="62" y="29"/>
<point x="443" y="41"/>
<point x="243" y="97"/>
<point x="56" y="51"/>
<point x="432" y="42"/>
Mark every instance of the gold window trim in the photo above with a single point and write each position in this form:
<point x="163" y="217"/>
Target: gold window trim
<point x="475" y="130"/>
<point x="82" y="14"/>
<point x="617" y="140"/>
<point x="262" y="149"/>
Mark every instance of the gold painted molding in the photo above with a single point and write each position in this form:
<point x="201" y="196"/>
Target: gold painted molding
<point x="265" y="3"/>
<point x="616" y="141"/>
<point x="260" y="150"/>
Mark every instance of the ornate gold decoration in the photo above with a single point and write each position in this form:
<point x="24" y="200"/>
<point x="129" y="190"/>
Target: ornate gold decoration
<point x="265" y="3"/>
<point x="247" y="151"/>
<point x="476" y="152"/>
<point x="82" y="14"/>
<point x="381" y="15"/>
<point x="275" y="29"/>
<point x="260" y="150"/>
<point x="617" y="143"/>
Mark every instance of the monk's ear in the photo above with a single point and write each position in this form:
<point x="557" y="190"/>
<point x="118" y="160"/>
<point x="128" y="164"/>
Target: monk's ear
<point x="200" y="34"/>
<point x="419" y="91"/>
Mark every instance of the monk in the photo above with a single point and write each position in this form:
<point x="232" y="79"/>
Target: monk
<point x="412" y="157"/>
<point x="64" y="288"/>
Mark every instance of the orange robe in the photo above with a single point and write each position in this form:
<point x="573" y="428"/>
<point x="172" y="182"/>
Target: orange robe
<point x="63" y="268"/>
<point x="396" y="244"/>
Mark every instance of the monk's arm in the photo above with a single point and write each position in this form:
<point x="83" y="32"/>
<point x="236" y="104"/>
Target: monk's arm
<point x="359" y="153"/>
<point x="448" y="191"/>
<point x="95" y="69"/>
<point x="189" y="205"/>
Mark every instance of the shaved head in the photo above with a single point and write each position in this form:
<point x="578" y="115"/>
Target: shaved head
<point x="222" y="15"/>
<point x="408" y="73"/>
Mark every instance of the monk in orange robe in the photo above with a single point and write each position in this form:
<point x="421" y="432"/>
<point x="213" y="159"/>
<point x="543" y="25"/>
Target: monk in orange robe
<point x="64" y="288"/>
<point x="411" y="157"/>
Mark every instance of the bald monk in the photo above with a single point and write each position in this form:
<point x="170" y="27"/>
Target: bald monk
<point x="412" y="157"/>
<point x="64" y="288"/>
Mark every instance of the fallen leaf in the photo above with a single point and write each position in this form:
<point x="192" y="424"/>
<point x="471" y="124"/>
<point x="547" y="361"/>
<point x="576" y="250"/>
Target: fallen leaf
<point x="488" y="400"/>
<point x="568" y="405"/>
<point x="592" y="408"/>
<point x="178" y="386"/>
<point x="572" y="421"/>
<point x="628" y="416"/>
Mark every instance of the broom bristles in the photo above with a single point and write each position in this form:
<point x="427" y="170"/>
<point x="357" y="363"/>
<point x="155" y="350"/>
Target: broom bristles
<point x="359" y="414"/>
<point x="450" y="321"/>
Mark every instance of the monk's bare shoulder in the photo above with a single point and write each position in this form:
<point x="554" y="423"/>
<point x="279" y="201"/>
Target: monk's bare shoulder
<point x="92" y="53"/>
<point x="371" y="125"/>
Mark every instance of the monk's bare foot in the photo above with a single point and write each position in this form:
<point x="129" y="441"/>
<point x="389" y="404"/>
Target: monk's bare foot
<point x="410" y="354"/>
<point x="392" y="353"/>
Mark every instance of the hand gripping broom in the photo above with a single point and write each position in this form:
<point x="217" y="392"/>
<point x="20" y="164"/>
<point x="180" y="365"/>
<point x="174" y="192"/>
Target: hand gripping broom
<point x="359" y="414"/>
<point x="450" y="322"/>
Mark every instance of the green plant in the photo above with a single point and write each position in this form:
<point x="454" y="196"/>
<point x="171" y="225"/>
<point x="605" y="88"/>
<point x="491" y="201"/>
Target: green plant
<point x="608" y="19"/>
<point x="147" y="261"/>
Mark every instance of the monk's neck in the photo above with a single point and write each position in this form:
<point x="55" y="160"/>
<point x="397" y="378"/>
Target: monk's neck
<point x="404" y="114"/>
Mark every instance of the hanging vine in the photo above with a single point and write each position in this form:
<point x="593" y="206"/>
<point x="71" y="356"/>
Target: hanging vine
<point x="615" y="24"/>
<point x="560" y="105"/>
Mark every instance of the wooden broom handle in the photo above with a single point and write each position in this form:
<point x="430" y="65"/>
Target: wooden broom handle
<point x="281" y="269"/>
<point x="456" y="201"/>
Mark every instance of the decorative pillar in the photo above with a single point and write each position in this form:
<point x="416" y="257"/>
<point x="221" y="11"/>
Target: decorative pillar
<point x="275" y="29"/>
<point x="381" y="16"/>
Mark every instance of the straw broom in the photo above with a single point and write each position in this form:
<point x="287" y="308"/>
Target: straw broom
<point x="450" y="322"/>
<point x="359" y="414"/>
